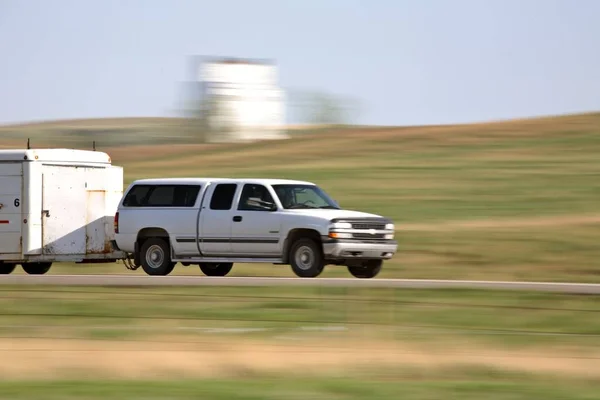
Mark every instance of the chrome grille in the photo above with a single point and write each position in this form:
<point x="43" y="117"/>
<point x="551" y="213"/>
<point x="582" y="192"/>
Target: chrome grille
<point x="368" y="225"/>
<point x="368" y="236"/>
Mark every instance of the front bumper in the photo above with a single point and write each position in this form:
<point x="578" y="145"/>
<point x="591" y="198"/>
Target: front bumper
<point x="354" y="249"/>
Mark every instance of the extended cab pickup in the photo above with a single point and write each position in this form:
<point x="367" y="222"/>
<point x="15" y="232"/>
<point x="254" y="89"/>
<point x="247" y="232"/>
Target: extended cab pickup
<point x="214" y="223"/>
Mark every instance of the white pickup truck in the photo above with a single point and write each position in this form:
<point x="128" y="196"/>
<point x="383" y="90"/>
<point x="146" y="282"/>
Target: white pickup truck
<point x="214" y="223"/>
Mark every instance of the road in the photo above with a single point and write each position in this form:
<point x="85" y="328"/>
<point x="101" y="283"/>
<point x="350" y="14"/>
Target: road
<point x="165" y="281"/>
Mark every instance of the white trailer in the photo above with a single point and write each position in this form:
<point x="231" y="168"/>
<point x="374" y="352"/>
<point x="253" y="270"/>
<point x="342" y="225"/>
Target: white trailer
<point x="57" y="205"/>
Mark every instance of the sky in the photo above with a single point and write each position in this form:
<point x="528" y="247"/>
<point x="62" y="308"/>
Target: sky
<point x="405" y="62"/>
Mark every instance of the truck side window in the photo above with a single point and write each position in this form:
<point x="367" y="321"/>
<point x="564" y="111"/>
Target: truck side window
<point x="162" y="196"/>
<point x="136" y="196"/>
<point x="255" y="198"/>
<point x="222" y="197"/>
<point x="185" y="195"/>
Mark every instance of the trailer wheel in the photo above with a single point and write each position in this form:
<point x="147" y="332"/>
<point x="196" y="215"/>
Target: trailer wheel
<point x="215" y="269"/>
<point x="6" y="269"/>
<point x="37" y="268"/>
<point x="156" y="258"/>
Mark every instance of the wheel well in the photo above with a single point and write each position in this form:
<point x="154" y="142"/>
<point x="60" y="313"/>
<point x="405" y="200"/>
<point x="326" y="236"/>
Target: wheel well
<point x="296" y="234"/>
<point x="147" y="233"/>
<point x="151" y="232"/>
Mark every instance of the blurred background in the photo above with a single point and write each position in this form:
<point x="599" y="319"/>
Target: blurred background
<point x="474" y="125"/>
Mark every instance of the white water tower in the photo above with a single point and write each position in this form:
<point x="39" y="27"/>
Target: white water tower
<point x="242" y="100"/>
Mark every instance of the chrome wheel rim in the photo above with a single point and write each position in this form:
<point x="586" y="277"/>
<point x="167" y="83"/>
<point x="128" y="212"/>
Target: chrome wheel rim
<point x="305" y="258"/>
<point x="155" y="256"/>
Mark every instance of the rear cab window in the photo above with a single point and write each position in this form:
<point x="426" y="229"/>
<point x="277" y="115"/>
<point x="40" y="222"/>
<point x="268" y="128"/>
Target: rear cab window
<point x="223" y="195"/>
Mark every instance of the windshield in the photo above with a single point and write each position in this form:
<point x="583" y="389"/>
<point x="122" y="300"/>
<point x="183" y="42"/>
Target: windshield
<point x="303" y="196"/>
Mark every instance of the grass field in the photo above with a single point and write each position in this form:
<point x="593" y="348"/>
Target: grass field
<point x="505" y="318"/>
<point x="511" y="200"/>
<point x="288" y="343"/>
<point x="418" y="386"/>
<point x="135" y="333"/>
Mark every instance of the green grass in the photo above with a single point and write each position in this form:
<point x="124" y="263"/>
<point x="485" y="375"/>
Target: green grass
<point x="531" y="172"/>
<point x="489" y="318"/>
<point x="512" y="201"/>
<point x="82" y="133"/>
<point x="495" y="386"/>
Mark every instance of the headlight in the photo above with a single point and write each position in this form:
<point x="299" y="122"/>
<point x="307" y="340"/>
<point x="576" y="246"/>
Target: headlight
<point x="389" y="236"/>
<point x="341" y="225"/>
<point x="389" y="227"/>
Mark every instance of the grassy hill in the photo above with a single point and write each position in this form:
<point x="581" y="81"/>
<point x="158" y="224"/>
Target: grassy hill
<point x="508" y="200"/>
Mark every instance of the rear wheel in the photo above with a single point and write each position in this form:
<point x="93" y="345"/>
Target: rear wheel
<point x="370" y="269"/>
<point x="156" y="258"/>
<point x="6" y="269"/>
<point x="306" y="258"/>
<point x="216" y="269"/>
<point x="38" y="268"/>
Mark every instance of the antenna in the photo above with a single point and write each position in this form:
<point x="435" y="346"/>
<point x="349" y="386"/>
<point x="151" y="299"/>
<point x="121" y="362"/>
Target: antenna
<point x="28" y="144"/>
<point x="94" y="145"/>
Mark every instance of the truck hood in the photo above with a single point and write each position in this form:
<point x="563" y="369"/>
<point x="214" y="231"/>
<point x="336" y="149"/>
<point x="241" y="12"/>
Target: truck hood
<point x="332" y="214"/>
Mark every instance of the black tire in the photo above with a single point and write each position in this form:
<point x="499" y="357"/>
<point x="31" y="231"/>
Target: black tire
<point x="306" y="258"/>
<point x="155" y="257"/>
<point x="369" y="270"/>
<point x="36" y="268"/>
<point x="6" y="269"/>
<point x="215" y="269"/>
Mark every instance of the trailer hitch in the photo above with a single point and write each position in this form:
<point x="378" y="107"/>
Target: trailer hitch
<point x="129" y="263"/>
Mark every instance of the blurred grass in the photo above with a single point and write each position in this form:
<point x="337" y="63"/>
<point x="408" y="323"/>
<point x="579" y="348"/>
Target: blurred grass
<point x="470" y="316"/>
<point x="417" y="385"/>
<point x="513" y="200"/>
<point x="541" y="175"/>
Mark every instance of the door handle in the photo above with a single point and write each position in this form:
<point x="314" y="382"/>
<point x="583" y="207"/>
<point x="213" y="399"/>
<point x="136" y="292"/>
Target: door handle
<point x="237" y="218"/>
<point x="46" y="212"/>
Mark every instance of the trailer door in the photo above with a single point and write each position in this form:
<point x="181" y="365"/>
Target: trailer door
<point x="63" y="210"/>
<point x="11" y="175"/>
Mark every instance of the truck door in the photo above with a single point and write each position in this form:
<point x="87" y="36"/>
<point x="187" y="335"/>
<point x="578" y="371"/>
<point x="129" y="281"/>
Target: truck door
<point x="256" y="225"/>
<point x="63" y="210"/>
<point x="11" y="175"/>
<point x="216" y="218"/>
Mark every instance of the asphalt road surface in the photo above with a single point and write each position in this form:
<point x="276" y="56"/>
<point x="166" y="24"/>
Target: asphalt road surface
<point x="165" y="281"/>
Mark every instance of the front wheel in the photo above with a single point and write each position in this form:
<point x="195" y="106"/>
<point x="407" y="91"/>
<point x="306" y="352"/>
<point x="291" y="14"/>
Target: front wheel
<point x="366" y="271"/>
<point x="216" y="269"/>
<point x="155" y="257"/>
<point x="306" y="258"/>
<point x="6" y="269"/>
<point x="37" y="268"/>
